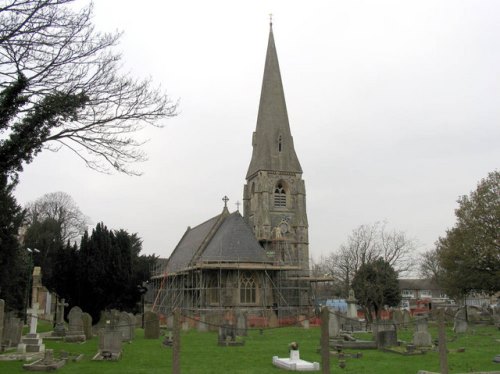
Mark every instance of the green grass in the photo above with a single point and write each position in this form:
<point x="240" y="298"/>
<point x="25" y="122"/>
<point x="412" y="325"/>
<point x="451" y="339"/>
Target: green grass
<point x="200" y="354"/>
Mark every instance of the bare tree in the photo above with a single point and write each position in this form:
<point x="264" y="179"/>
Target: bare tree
<point x="62" y="209"/>
<point x="60" y="83"/>
<point x="366" y="244"/>
<point x="429" y="265"/>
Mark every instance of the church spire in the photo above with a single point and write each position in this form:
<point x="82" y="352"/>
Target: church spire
<point x="272" y="142"/>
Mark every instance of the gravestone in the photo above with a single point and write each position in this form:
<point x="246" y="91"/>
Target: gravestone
<point x="352" y="311"/>
<point x="387" y="338"/>
<point x="460" y="324"/>
<point x="87" y="325"/>
<point x="272" y="319"/>
<point x="47" y="363"/>
<point x="384" y="333"/>
<point x="397" y="317"/>
<point x="126" y="326"/>
<point x="202" y="325"/>
<point x="32" y="341"/>
<point x="406" y="318"/>
<point x="227" y="336"/>
<point x="60" y="329"/>
<point x="110" y="344"/>
<point x="151" y="325"/>
<point x="138" y="321"/>
<point x="422" y="337"/>
<point x="185" y="326"/>
<point x="2" y="317"/>
<point x="75" y="333"/>
<point x="13" y="329"/>
<point x="333" y="325"/>
<point x="242" y="324"/>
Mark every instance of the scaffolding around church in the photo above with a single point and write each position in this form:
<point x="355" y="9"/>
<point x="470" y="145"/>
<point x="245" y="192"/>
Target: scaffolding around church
<point x="277" y="291"/>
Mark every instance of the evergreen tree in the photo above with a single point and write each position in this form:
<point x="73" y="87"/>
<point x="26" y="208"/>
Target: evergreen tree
<point x="376" y="285"/>
<point x="15" y="267"/>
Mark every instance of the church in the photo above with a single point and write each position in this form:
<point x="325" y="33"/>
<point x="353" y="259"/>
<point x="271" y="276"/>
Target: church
<point x="259" y="262"/>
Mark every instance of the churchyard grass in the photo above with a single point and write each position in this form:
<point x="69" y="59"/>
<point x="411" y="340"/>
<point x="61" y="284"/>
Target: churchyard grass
<point x="201" y="354"/>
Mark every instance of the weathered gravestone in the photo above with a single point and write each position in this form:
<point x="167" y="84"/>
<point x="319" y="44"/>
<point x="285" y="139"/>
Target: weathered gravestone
<point x="460" y="325"/>
<point x="421" y="337"/>
<point x="151" y="325"/>
<point x="242" y="324"/>
<point x="397" y="317"/>
<point x="334" y="325"/>
<point x="138" y="321"/>
<point x="227" y="336"/>
<point x="87" y="325"/>
<point x="75" y="333"/>
<point x="272" y="319"/>
<point x="13" y="329"/>
<point x="2" y="317"/>
<point x="406" y="318"/>
<point x="47" y="363"/>
<point x="110" y="344"/>
<point x="385" y="334"/>
<point x="126" y="326"/>
<point x="60" y="329"/>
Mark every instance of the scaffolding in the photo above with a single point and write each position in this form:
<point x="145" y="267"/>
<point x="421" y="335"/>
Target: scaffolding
<point x="280" y="286"/>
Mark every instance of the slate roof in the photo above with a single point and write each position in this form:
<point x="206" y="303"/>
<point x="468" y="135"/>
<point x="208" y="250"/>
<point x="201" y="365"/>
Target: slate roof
<point x="225" y="238"/>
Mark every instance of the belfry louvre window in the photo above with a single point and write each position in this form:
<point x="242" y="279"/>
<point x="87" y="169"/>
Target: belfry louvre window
<point x="248" y="289"/>
<point x="279" y="196"/>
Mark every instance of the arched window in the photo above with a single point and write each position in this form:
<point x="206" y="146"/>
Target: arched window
<point x="279" y="196"/>
<point x="213" y="291"/>
<point x="248" y="289"/>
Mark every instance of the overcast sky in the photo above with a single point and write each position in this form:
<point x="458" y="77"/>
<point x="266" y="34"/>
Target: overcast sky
<point x="394" y="107"/>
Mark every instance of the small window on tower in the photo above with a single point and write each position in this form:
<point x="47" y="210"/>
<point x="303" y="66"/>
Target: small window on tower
<point x="279" y="143"/>
<point x="279" y="196"/>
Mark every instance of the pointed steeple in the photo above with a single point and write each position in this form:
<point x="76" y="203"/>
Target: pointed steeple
<point x="272" y="142"/>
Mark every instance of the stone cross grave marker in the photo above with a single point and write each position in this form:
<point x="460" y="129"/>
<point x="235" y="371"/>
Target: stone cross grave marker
<point x="60" y="329"/>
<point x="33" y="312"/>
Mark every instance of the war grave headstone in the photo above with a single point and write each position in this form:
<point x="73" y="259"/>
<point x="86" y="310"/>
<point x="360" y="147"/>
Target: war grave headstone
<point x="13" y="329"/>
<point x="60" y="329"/>
<point x="110" y="344"/>
<point x="422" y="337"/>
<point x="151" y="325"/>
<point x="75" y="333"/>
<point x="126" y="326"/>
<point x="87" y="326"/>
<point x="32" y="341"/>
<point x="460" y="324"/>
<point x="47" y="363"/>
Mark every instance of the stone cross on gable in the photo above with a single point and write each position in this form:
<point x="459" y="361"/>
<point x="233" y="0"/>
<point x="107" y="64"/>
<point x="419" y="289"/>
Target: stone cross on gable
<point x="225" y="199"/>
<point x="238" y="206"/>
<point x="33" y="312"/>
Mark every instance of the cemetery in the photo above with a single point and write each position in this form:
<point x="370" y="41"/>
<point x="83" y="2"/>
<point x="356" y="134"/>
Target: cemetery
<point x="117" y="344"/>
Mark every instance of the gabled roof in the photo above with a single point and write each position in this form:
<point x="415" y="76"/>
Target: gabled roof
<point x="272" y="143"/>
<point x="225" y="238"/>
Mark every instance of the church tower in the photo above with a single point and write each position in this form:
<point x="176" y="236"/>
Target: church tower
<point x="274" y="196"/>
